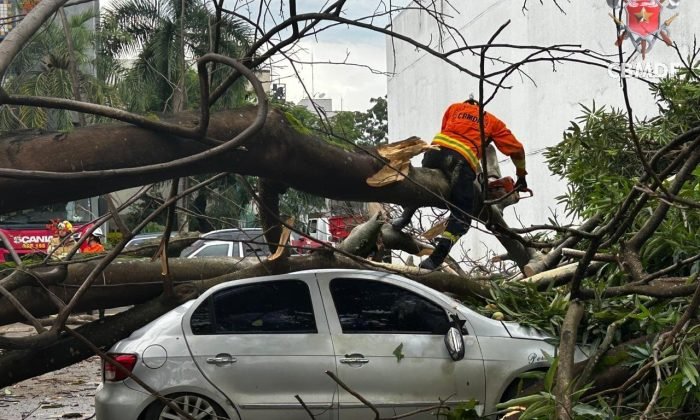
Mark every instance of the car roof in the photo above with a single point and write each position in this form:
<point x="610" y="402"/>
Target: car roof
<point x="339" y="271"/>
<point x="242" y="230"/>
<point x="213" y="242"/>
<point x="152" y="235"/>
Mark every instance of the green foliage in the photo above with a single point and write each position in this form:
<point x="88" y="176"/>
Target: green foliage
<point x="373" y="124"/>
<point x="398" y="353"/>
<point x="598" y="159"/>
<point x="113" y="239"/>
<point x="594" y="155"/>
<point x="344" y="128"/>
<point x="152" y="31"/>
<point x="41" y="69"/>
<point x="296" y="203"/>
<point x="463" y="411"/>
<point x="522" y="302"/>
<point x="543" y="405"/>
<point x="294" y="121"/>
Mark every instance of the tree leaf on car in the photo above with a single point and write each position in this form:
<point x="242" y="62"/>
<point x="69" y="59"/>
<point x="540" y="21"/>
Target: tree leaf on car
<point x="549" y="377"/>
<point x="397" y="352"/>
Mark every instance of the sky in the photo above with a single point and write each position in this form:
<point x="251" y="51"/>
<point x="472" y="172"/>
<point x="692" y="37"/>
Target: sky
<point x="349" y="86"/>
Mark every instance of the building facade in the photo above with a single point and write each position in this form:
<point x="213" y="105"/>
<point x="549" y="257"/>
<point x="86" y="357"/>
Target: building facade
<point x="539" y="104"/>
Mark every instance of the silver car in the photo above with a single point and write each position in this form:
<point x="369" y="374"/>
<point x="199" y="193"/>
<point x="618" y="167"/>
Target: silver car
<point x="246" y="348"/>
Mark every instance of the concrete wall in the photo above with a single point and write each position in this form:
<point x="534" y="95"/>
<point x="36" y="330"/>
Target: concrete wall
<point x="423" y="86"/>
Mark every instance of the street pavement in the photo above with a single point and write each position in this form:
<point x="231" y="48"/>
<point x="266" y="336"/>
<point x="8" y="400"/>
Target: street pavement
<point x="64" y="394"/>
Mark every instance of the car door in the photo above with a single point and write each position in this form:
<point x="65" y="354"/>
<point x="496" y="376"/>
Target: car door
<point x="263" y="342"/>
<point x="389" y="348"/>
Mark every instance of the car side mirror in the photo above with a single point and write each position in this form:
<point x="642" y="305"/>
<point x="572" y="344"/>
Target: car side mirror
<point x="455" y="343"/>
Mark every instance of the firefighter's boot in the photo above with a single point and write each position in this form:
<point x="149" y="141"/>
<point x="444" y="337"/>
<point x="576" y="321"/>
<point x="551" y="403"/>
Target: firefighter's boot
<point x="442" y="249"/>
<point x="402" y="221"/>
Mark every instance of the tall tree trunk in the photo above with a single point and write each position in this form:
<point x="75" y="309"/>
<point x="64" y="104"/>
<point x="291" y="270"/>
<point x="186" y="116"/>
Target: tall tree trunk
<point x="72" y="66"/>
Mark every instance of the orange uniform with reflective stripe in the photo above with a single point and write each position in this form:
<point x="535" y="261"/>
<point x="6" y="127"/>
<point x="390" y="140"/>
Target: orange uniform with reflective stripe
<point x="95" y="248"/>
<point x="460" y="132"/>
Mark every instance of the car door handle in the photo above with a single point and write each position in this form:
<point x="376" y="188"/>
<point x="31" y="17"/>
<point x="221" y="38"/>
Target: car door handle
<point x="221" y="359"/>
<point x="354" y="359"/>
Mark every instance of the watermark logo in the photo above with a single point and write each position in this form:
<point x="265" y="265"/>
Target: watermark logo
<point x="643" y="70"/>
<point x="643" y="23"/>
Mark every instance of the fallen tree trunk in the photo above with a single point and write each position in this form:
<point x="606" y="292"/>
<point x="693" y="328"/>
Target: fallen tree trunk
<point x="133" y="281"/>
<point x="18" y="365"/>
<point x="127" y="281"/>
<point x="280" y="152"/>
<point x="15" y="364"/>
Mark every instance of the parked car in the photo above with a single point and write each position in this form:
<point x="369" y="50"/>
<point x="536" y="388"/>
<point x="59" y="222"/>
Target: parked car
<point x="245" y="348"/>
<point x="229" y="249"/>
<point x="242" y="242"/>
<point x="144" y="238"/>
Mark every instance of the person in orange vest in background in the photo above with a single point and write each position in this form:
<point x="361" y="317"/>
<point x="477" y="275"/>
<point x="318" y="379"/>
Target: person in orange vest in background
<point x="458" y="158"/>
<point x="62" y="241"/>
<point x="92" y="244"/>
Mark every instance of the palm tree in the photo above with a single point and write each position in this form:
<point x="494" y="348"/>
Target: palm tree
<point x="42" y="68"/>
<point x="164" y="38"/>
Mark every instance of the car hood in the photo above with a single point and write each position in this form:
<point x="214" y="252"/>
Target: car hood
<point x="520" y="331"/>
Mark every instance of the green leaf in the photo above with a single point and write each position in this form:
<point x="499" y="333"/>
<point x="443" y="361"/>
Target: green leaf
<point x="397" y="352"/>
<point x="666" y="360"/>
<point x="549" y="377"/>
<point x="588" y="410"/>
<point x="689" y="372"/>
<point x="527" y="400"/>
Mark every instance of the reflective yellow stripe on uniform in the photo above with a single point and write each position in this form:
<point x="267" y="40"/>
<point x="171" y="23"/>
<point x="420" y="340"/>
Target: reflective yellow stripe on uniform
<point x="451" y="236"/>
<point x="459" y="147"/>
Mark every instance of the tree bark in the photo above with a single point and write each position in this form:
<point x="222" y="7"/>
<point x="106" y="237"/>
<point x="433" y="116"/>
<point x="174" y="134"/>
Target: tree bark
<point x="553" y="257"/>
<point x="135" y="281"/>
<point x="559" y="275"/>
<point x="279" y="151"/>
<point x="124" y="282"/>
<point x="565" y="385"/>
<point x="18" y="365"/>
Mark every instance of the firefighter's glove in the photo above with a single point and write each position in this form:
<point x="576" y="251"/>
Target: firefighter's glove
<point x="521" y="183"/>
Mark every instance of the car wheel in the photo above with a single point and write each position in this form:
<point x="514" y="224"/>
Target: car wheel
<point x="517" y="385"/>
<point x="196" y="406"/>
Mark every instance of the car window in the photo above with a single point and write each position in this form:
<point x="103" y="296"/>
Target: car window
<point x="255" y="249"/>
<point x="282" y="307"/>
<point x="221" y="236"/>
<point x="218" y="250"/>
<point x="368" y="306"/>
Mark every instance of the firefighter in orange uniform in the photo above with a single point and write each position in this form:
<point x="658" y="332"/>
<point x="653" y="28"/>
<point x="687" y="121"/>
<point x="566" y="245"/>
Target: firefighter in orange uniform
<point x="458" y="158"/>
<point x="92" y="244"/>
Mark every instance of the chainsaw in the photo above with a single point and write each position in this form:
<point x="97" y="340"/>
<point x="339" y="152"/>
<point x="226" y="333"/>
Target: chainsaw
<point x="499" y="191"/>
<point x="502" y="191"/>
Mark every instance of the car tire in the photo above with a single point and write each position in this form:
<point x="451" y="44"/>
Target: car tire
<point x="193" y="404"/>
